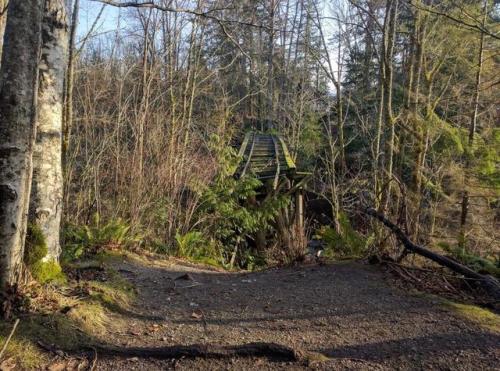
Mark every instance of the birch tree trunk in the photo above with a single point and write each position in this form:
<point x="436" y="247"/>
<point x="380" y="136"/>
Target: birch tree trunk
<point x="19" y="82"/>
<point x="47" y="189"/>
<point x="68" y="94"/>
<point x="3" y="19"/>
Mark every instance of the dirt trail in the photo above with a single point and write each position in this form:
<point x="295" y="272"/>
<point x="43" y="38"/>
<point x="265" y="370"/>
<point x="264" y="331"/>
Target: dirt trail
<point x="347" y="314"/>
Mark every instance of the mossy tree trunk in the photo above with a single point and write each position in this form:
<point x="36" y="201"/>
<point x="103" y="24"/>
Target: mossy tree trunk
<point x="47" y="189"/>
<point x="19" y="81"/>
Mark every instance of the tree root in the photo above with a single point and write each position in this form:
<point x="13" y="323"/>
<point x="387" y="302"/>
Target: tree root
<point x="269" y="350"/>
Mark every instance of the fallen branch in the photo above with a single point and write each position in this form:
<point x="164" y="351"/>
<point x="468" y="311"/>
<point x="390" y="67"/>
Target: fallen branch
<point x="8" y="339"/>
<point x="490" y="284"/>
<point x="269" y="350"/>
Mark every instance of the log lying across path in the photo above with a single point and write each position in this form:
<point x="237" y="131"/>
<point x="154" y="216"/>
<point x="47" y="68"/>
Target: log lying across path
<point x="269" y="350"/>
<point x="490" y="284"/>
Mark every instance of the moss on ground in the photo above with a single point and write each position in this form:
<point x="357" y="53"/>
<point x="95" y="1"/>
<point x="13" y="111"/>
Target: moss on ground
<point x="25" y="353"/>
<point x="482" y="317"/>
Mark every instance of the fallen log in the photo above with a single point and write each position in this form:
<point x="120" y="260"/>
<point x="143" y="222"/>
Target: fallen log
<point x="268" y="350"/>
<point x="489" y="283"/>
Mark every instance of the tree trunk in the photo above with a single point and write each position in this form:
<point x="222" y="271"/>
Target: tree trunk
<point x="472" y="130"/>
<point x="47" y="189"/>
<point x="488" y="282"/>
<point x="68" y="89"/>
<point x="3" y="19"/>
<point x="270" y="67"/>
<point x="19" y="76"/>
<point x="389" y="121"/>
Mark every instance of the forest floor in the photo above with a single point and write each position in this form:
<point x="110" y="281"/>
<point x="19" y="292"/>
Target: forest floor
<point x="340" y="315"/>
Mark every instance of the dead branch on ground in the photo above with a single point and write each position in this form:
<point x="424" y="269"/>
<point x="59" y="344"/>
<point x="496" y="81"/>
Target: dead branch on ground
<point x="490" y="284"/>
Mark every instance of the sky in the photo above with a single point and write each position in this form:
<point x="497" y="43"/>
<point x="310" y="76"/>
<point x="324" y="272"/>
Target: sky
<point x="108" y="21"/>
<point x="89" y="11"/>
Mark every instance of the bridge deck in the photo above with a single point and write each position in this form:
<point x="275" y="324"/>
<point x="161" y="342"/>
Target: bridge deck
<point x="266" y="156"/>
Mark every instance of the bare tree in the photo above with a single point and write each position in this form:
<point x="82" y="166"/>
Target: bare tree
<point x="472" y="127"/>
<point x="19" y="81"/>
<point x="68" y="87"/>
<point x="47" y="189"/>
<point x="3" y="18"/>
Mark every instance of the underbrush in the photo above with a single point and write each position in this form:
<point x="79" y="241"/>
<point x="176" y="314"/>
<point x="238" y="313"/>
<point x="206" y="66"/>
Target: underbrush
<point x="347" y="243"/>
<point x="230" y="216"/>
<point x="88" y="240"/>
<point x="489" y="264"/>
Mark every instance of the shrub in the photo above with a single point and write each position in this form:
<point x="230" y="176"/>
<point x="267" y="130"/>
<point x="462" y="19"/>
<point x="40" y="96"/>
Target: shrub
<point x="488" y="265"/>
<point x="90" y="239"/>
<point x="194" y="246"/>
<point x="228" y="213"/>
<point x="348" y="243"/>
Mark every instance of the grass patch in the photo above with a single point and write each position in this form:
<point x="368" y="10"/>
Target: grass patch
<point x="55" y="329"/>
<point x="26" y="355"/>
<point x="480" y="316"/>
<point x="70" y="316"/>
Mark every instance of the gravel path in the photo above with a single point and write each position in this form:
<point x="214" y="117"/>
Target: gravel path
<point x="347" y="314"/>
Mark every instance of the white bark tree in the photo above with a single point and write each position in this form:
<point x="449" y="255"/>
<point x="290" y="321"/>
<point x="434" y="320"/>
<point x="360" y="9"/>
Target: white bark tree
<point x="3" y="18"/>
<point x="19" y="81"/>
<point x="47" y="189"/>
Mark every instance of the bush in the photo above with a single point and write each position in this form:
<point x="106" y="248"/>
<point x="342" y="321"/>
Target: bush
<point x="347" y="244"/>
<point x="90" y="239"/>
<point x="485" y="265"/>
<point x="194" y="246"/>
<point x="228" y="216"/>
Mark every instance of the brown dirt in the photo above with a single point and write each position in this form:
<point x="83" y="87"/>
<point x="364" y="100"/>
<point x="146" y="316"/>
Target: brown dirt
<point x="344" y="316"/>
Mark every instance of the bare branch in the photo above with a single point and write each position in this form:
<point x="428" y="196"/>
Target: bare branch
<point x="476" y="27"/>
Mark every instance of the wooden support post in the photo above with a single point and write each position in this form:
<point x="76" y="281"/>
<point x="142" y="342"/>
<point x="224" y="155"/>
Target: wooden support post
<point x="299" y="209"/>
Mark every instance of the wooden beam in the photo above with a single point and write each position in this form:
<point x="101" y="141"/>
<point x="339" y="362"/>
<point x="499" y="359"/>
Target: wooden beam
<point x="286" y="153"/>
<point x="299" y="209"/>
<point x="277" y="159"/>
<point x="249" y="159"/>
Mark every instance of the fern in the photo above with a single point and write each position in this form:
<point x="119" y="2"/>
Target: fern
<point x="89" y="239"/>
<point x="348" y="243"/>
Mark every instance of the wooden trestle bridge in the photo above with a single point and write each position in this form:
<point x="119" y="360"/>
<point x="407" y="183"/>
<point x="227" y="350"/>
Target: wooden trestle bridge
<point x="266" y="156"/>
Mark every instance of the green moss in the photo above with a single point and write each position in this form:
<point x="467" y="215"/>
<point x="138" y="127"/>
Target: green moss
<point x="34" y="253"/>
<point x="36" y="245"/>
<point x="47" y="271"/>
